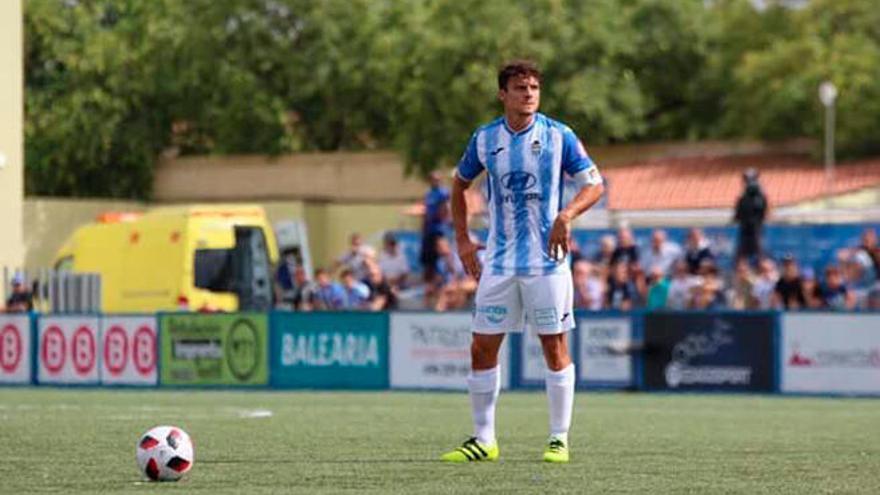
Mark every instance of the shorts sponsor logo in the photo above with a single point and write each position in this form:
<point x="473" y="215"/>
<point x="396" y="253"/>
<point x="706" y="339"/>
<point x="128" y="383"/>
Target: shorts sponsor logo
<point x="546" y="317"/>
<point x="493" y="314"/>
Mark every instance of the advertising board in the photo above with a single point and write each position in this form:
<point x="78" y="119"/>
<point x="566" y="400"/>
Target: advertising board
<point x="68" y="349"/>
<point x="15" y="349"/>
<point x="599" y="342"/>
<point x="129" y="354"/>
<point x="830" y="353"/>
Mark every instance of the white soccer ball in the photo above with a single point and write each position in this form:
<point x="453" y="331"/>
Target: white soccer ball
<point x="165" y="453"/>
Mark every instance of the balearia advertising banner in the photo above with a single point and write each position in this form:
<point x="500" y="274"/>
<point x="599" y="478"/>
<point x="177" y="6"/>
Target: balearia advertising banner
<point x="433" y="350"/>
<point x="709" y="351"/>
<point x="831" y="353"/>
<point x="213" y="349"/>
<point x="330" y="350"/>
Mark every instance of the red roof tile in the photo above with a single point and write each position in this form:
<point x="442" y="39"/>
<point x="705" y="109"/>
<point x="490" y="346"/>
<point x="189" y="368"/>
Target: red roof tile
<point x="716" y="182"/>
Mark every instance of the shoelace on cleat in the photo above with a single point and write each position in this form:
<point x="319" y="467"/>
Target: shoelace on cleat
<point x="556" y="445"/>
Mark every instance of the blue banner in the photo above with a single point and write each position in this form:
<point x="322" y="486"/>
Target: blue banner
<point x="709" y="351"/>
<point x="329" y="350"/>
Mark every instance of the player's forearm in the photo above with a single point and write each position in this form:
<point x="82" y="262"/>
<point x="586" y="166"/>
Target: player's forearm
<point x="583" y="201"/>
<point x="459" y="208"/>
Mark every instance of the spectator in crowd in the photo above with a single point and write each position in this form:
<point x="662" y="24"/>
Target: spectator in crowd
<point x="741" y="294"/>
<point x="765" y="284"/>
<point x="709" y="291"/>
<point x="436" y="223"/>
<point x="602" y="258"/>
<point x="662" y="253"/>
<point x="810" y="286"/>
<point x="383" y="296"/>
<point x="303" y="290"/>
<point x="327" y="295"/>
<point x="588" y="288"/>
<point x="697" y="250"/>
<point x="574" y="251"/>
<point x="873" y="303"/>
<point x="353" y="259"/>
<point x="21" y="300"/>
<point x="356" y="294"/>
<point x="392" y="261"/>
<point x="451" y="287"/>
<point x="681" y="286"/>
<point x="658" y="288"/>
<point x="621" y="294"/>
<point x="867" y="254"/>
<point x="832" y="293"/>
<point x="284" y="279"/>
<point x="789" y="291"/>
<point x="626" y="249"/>
<point x="751" y="209"/>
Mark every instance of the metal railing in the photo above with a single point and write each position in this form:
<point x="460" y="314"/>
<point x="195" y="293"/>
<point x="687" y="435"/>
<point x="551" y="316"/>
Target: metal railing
<point x="54" y="291"/>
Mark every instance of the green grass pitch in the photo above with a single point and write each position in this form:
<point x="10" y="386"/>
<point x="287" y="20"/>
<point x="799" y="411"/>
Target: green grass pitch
<point x="83" y="440"/>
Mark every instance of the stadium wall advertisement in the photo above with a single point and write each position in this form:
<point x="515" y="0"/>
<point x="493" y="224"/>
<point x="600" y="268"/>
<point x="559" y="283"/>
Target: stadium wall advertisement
<point x="721" y="351"/>
<point x="591" y="344"/>
<point x="214" y="349"/>
<point x="830" y="353"/>
<point x="129" y="354"/>
<point x="15" y="349"/>
<point x="432" y="351"/>
<point x="68" y="350"/>
<point x="598" y="363"/>
<point x="330" y="350"/>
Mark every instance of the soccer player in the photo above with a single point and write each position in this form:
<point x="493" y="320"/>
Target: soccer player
<point x="524" y="278"/>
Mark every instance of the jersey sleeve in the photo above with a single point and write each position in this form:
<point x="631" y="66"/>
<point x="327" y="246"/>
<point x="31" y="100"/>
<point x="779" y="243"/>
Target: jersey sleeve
<point x="469" y="167"/>
<point x="576" y="162"/>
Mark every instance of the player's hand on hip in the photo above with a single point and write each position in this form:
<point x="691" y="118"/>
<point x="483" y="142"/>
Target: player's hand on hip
<point x="559" y="236"/>
<point x="467" y="251"/>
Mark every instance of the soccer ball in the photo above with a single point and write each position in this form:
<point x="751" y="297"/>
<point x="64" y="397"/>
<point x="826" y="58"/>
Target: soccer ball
<point x="165" y="453"/>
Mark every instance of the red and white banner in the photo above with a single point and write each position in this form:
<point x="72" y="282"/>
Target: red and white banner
<point x="67" y="349"/>
<point x="128" y="350"/>
<point x="15" y="349"/>
<point x="831" y="353"/>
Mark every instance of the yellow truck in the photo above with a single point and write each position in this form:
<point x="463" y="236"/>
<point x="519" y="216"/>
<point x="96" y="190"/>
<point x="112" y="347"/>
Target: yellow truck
<point x="199" y="257"/>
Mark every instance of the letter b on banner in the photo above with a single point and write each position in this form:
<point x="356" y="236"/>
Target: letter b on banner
<point x="15" y="349"/>
<point x="68" y="349"/>
<point x="129" y="350"/>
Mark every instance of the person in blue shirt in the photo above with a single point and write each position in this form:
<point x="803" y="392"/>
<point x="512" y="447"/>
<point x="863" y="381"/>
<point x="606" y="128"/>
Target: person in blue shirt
<point x="327" y="295"/>
<point x="524" y="276"/>
<point x="435" y="224"/>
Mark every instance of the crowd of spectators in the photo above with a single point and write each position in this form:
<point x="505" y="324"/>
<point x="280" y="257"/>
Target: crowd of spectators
<point x="666" y="276"/>
<point x="620" y="275"/>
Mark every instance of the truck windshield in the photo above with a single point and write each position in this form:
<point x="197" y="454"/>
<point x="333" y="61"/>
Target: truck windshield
<point x="244" y="270"/>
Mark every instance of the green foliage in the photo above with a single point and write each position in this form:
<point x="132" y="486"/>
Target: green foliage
<point x="112" y="84"/>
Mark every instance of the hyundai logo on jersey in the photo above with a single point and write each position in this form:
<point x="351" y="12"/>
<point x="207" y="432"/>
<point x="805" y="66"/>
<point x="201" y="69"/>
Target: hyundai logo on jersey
<point x="518" y="181"/>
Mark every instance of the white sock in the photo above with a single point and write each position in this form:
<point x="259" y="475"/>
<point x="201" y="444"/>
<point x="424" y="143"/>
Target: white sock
<point x="483" y="386"/>
<point x="560" y="397"/>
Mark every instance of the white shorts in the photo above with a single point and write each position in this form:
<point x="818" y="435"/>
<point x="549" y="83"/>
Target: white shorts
<point x="510" y="303"/>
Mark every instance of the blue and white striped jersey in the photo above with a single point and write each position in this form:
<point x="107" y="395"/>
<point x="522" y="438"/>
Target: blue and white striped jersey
<point x="525" y="189"/>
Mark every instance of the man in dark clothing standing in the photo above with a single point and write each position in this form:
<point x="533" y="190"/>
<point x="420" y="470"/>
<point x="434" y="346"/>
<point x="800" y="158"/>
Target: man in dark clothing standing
<point x="437" y="223"/>
<point x="751" y="209"/>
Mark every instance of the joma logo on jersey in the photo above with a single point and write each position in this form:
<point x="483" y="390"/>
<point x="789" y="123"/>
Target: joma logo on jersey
<point x="518" y="181"/>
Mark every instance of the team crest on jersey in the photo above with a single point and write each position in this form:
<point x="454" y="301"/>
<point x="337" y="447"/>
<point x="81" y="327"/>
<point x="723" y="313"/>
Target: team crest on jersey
<point x="536" y="147"/>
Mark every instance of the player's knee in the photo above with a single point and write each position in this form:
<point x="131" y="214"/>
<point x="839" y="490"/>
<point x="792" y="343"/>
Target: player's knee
<point x="483" y="356"/>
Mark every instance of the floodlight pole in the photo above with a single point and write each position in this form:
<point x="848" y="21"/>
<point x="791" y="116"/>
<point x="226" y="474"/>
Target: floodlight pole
<point x="828" y="95"/>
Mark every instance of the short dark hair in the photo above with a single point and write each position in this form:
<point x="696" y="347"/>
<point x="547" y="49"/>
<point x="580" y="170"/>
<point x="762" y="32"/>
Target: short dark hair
<point x="516" y="68"/>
